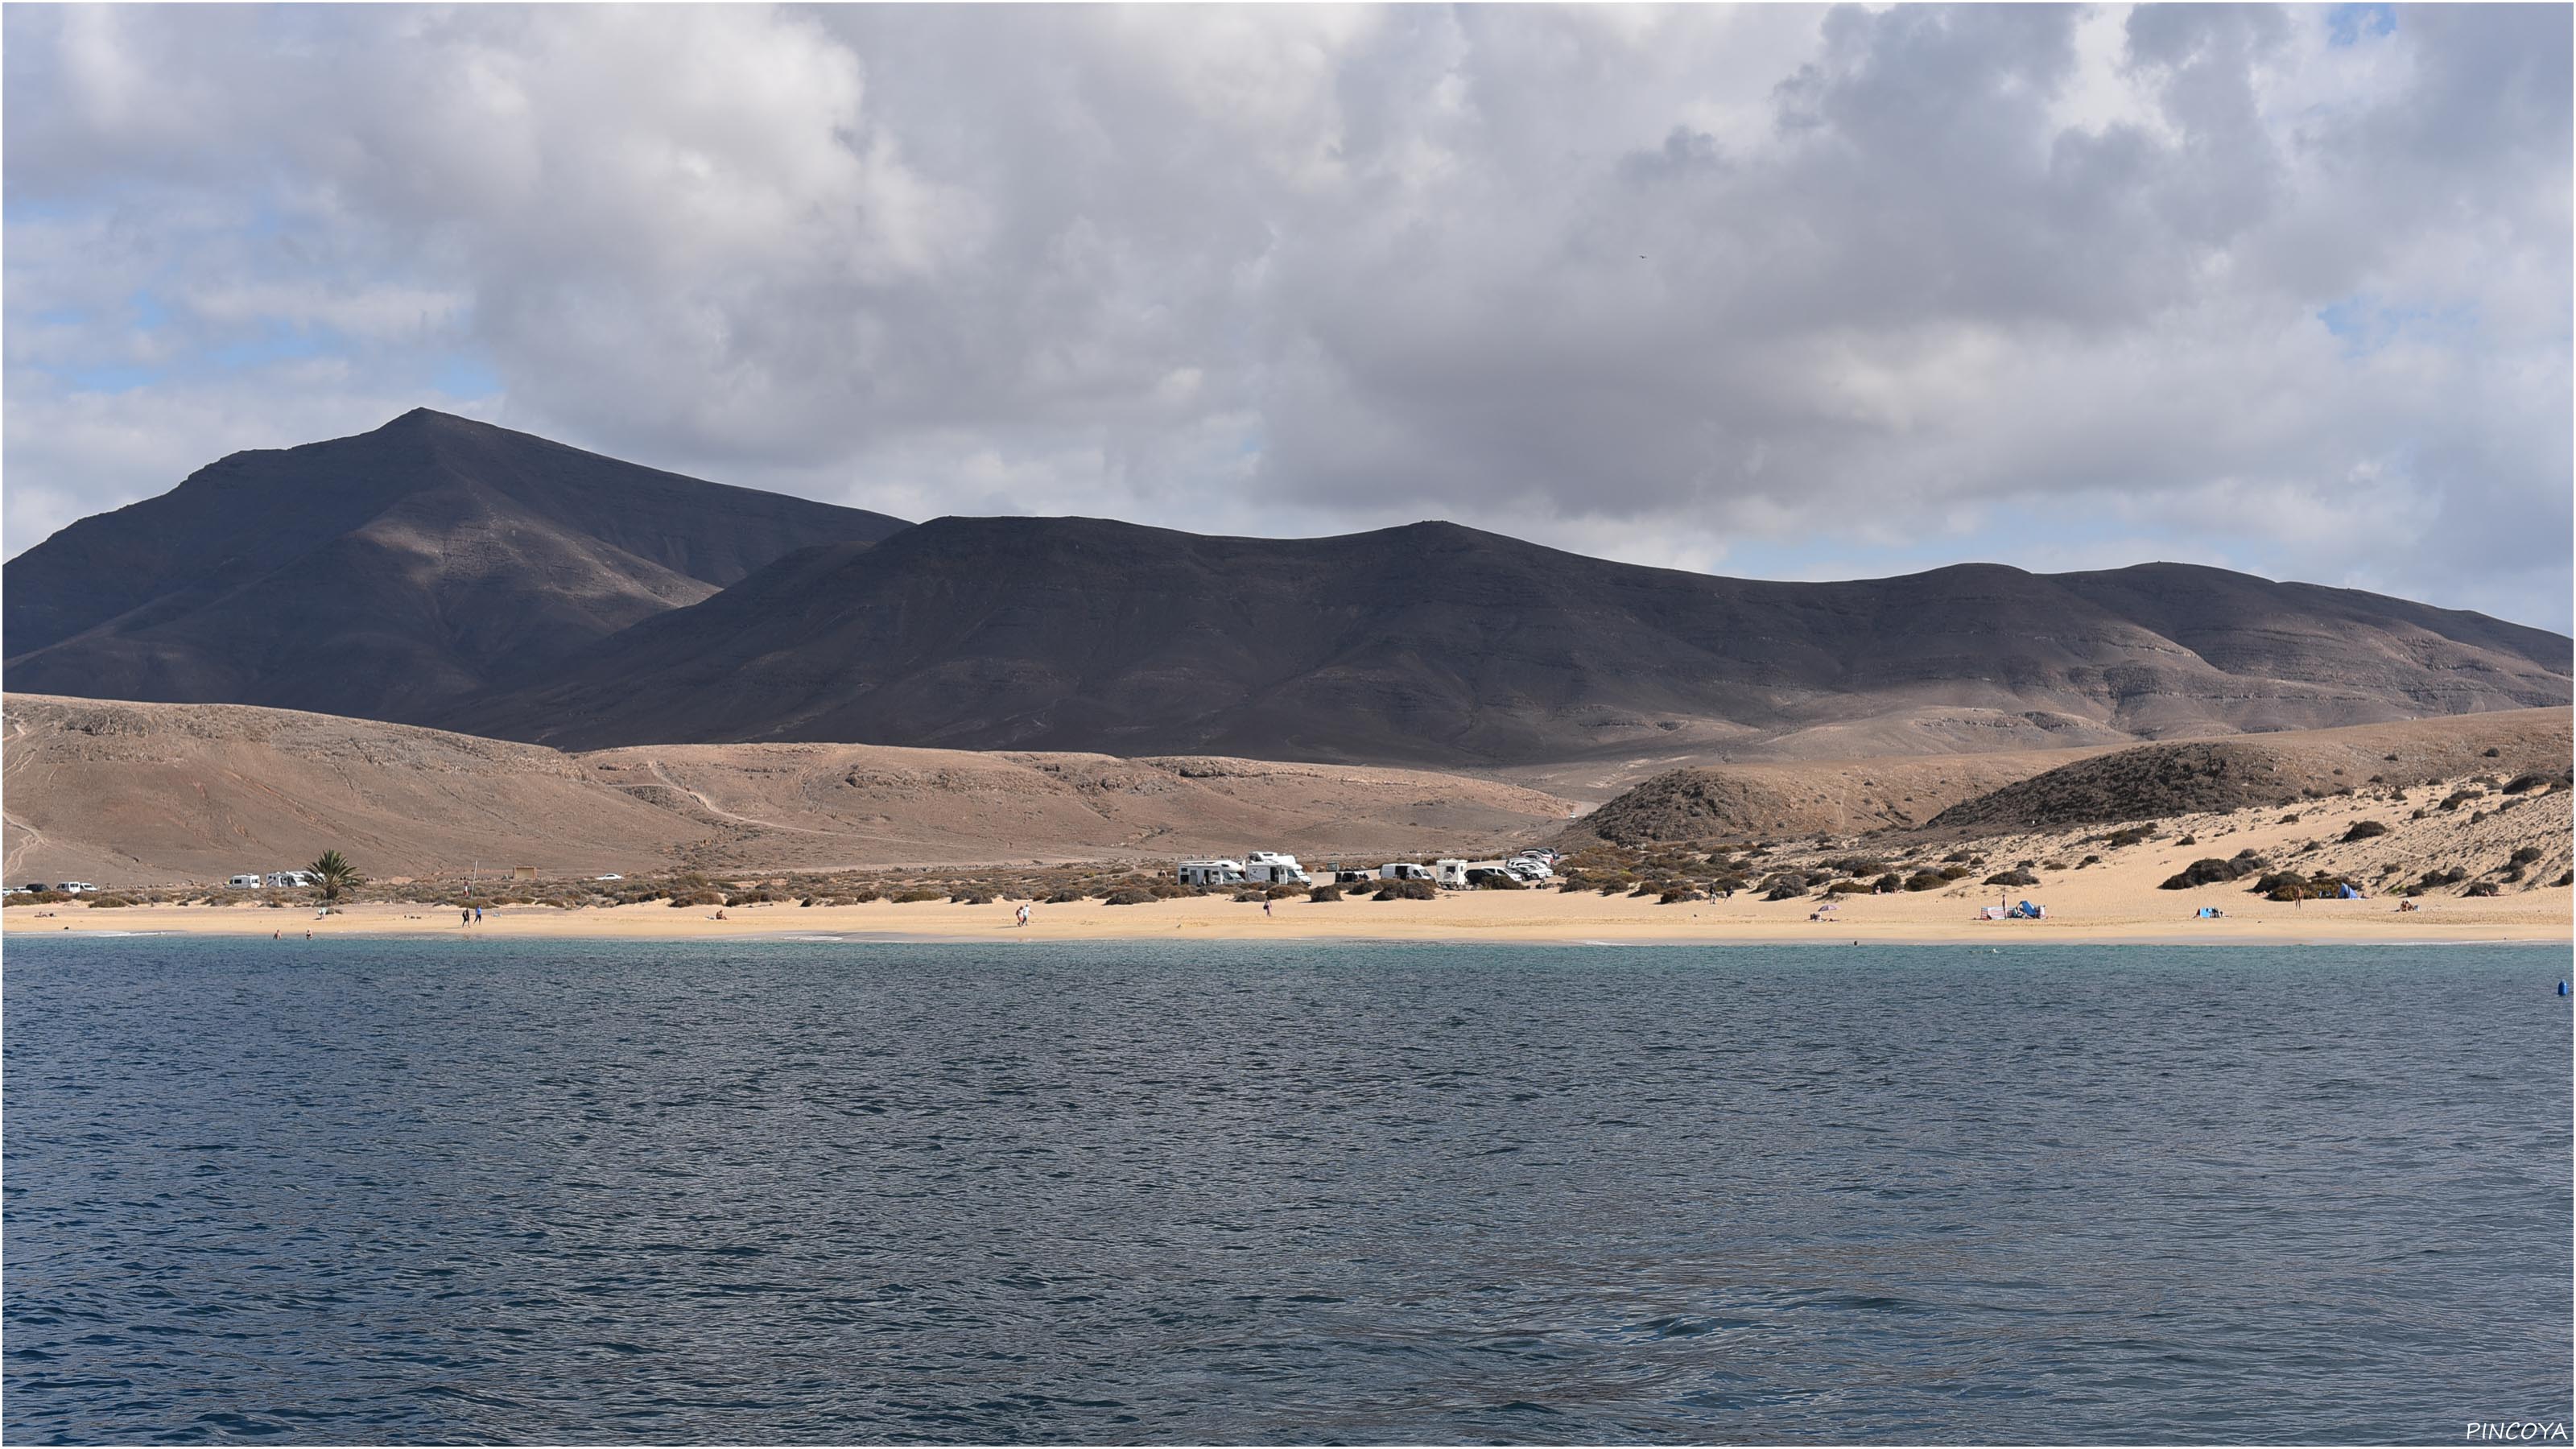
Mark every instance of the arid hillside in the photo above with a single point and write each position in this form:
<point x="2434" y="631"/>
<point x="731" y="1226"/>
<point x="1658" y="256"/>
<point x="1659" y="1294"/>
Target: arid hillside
<point x="152" y="793"/>
<point x="2048" y="789"/>
<point x="1445" y="647"/>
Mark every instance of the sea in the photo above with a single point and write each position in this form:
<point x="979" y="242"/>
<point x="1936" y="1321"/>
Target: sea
<point x="483" y="1190"/>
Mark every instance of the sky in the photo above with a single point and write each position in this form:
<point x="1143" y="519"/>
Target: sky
<point x="1770" y="291"/>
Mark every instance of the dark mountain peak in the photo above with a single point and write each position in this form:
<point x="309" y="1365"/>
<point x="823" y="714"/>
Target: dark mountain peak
<point x="375" y="573"/>
<point x="428" y="419"/>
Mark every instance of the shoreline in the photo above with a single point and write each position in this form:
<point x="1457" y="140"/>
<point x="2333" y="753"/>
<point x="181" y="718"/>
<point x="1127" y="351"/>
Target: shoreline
<point x="2540" y="918"/>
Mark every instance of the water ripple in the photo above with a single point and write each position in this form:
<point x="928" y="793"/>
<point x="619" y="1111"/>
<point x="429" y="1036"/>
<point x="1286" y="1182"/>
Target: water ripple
<point x="799" y="1191"/>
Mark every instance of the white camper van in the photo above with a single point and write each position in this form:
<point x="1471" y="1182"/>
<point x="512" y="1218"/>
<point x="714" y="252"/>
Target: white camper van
<point x="1399" y="871"/>
<point x="287" y="880"/>
<point x="1269" y="867"/>
<point x="243" y="883"/>
<point x="1211" y="872"/>
<point x="1466" y="875"/>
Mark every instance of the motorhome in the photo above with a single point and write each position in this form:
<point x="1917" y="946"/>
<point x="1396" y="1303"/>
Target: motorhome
<point x="287" y="880"/>
<point x="1211" y="872"/>
<point x="75" y="887"/>
<point x="1467" y="875"/>
<point x="243" y="883"/>
<point x="1269" y="867"/>
<point x="1397" y="870"/>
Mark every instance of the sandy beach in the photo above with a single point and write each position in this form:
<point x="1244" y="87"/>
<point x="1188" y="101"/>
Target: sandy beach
<point x="1500" y="916"/>
<point x="2114" y="898"/>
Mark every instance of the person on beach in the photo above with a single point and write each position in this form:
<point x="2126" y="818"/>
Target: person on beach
<point x="1024" y="913"/>
<point x="465" y="916"/>
<point x="478" y="915"/>
<point x="1265" y="906"/>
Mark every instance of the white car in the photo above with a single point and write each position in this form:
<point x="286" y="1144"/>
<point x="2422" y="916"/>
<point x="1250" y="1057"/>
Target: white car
<point x="612" y="875"/>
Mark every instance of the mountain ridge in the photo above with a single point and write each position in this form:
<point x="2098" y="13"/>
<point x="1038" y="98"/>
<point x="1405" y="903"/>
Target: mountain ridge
<point x="383" y="573"/>
<point x="1436" y="642"/>
<point x="447" y="573"/>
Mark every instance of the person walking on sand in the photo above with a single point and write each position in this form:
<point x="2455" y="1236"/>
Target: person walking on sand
<point x="1265" y="906"/>
<point x="466" y="916"/>
<point x="478" y="915"/>
<point x="1024" y="913"/>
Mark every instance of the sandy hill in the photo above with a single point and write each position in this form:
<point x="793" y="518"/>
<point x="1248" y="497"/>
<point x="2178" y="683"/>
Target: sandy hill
<point x="2043" y="790"/>
<point x="386" y="574"/>
<point x="1769" y="800"/>
<point x="149" y="793"/>
<point x="2155" y="781"/>
<point x="1437" y="644"/>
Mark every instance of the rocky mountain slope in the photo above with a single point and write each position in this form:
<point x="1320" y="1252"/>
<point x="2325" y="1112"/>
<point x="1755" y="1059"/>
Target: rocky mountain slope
<point x="448" y="573"/>
<point x="1439" y="644"/>
<point x="387" y="574"/>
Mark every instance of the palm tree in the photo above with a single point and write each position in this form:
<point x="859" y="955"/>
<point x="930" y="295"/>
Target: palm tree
<point x="333" y="874"/>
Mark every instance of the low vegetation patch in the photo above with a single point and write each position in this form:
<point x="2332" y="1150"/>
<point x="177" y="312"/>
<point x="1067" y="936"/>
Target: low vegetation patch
<point x="2210" y="870"/>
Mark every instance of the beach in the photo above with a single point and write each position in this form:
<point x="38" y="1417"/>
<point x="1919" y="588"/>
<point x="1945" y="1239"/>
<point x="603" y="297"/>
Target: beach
<point x="1464" y="916"/>
<point x="2116" y="897"/>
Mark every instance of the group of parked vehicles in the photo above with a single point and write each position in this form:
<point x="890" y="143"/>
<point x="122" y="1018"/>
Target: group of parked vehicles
<point x="69" y="887"/>
<point x="1269" y="867"/>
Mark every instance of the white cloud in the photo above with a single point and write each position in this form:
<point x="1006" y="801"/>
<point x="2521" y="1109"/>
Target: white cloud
<point x="1760" y="288"/>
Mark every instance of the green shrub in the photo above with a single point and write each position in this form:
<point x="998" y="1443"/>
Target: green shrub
<point x="2364" y="830"/>
<point x="2012" y="878"/>
<point x="917" y="895"/>
<point x="696" y="898"/>
<point x="1849" y="888"/>
<point x="1677" y="895"/>
<point x="1499" y="883"/>
<point x="1925" y="880"/>
<point x="1407" y="890"/>
<point x="1130" y="896"/>
<point x="2483" y="888"/>
<point x="2121" y="839"/>
<point x="1325" y="893"/>
<point x="2526" y="855"/>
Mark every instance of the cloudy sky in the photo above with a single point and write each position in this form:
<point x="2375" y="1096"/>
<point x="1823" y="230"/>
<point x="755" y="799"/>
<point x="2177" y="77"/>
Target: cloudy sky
<point x="1776" y="291"/>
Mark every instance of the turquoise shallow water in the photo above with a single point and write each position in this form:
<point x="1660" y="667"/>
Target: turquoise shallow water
<point x="471" y="1190"/>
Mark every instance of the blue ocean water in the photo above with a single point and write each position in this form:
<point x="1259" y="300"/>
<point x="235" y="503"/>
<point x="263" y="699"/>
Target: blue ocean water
<point x="360" y="1191"/>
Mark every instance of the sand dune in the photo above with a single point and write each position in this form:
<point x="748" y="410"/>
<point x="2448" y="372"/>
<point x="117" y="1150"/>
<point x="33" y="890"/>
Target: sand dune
<point x="145" y="794"/>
